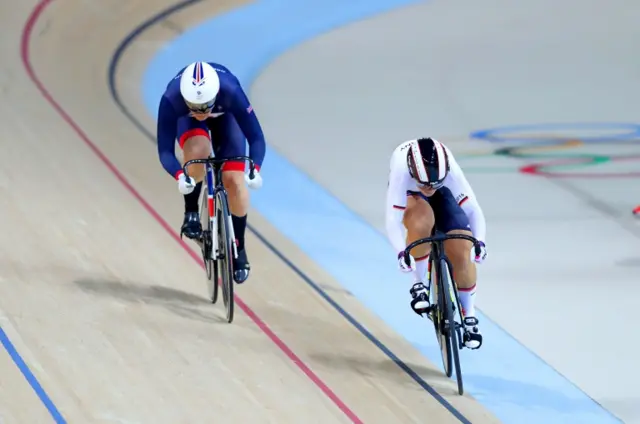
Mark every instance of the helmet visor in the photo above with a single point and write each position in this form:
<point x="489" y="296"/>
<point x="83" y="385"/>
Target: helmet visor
<point x="201" y="107"/>
<point x="435" y="185"/>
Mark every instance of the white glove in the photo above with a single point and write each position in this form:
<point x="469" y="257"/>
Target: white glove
<point x="256" y="182"/>
<point x="186" y="186"/>
<point x="402" y="264"/>
<point x="483" y="253"/>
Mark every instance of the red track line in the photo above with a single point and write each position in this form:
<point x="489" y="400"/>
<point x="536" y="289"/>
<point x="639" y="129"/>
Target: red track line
<point x="540" y="168"/>
<point x="25" y="44"/>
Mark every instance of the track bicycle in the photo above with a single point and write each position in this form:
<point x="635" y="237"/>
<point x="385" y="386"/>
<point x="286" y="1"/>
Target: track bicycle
<point x="217" y="240"/>
<point x="446" y="308"/>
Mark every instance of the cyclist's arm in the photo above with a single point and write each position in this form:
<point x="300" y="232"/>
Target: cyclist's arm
<point x="166" y="135"/>
<point x="466" y="198"/>
<point x="396" y="202"/>
<point x="246" y="118"/>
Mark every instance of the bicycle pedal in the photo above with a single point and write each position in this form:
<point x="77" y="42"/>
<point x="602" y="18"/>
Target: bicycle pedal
<point x="466" y="338"/>
<point x="471" y="348"/>
<point x="427" y="311"/>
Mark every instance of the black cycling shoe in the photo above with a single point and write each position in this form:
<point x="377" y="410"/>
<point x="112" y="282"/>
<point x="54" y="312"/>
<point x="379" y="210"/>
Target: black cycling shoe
<point x="241" y="267"/>
<point x="191" y="226"/>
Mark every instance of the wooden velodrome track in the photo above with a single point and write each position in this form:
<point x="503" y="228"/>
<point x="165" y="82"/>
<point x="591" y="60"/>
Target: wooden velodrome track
<point x="102" y="307"/>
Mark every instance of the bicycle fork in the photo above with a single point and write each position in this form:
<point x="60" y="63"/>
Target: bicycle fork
<point x="233" y="236"/>
<point x="213" y="217"/>
<point x="434" y="289"/>
<point x="212" y="212"/>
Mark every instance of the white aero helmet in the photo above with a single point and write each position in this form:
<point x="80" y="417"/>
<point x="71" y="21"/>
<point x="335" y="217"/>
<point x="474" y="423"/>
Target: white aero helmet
<point x="428" y="162"/>
<point x="199" y="86"/>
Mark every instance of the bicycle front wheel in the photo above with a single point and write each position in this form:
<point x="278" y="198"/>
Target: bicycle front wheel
<point x="206" y="245"/>
<point x="439" y="317"/>
<point x="450" y="322"/>
<point x="225" y="258"/>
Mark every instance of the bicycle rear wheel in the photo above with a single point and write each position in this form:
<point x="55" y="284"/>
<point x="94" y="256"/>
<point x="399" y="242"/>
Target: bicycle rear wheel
<point x="224" y="264"/>
<point x="450" y="323"/>
<point x="439" y="317"/>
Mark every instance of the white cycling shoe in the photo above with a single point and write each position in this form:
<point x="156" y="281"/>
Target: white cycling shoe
<point x="472" y="337"/>
<point x="420" y="299"/>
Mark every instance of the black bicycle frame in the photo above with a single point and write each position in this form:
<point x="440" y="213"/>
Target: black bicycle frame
<point x="437" y="251"/>
<point x="436" y="244"/>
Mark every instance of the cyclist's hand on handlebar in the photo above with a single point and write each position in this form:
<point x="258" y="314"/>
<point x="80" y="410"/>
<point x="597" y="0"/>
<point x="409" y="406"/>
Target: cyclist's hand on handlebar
<point x="483" y="253"/>
<point x="186" y="185"/>
<point x="404" y="267"/>
<point x="256" y="181"/>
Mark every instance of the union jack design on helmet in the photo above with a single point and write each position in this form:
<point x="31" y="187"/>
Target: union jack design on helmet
<point x="199" y="86"/>
<point x="198" y="74"/>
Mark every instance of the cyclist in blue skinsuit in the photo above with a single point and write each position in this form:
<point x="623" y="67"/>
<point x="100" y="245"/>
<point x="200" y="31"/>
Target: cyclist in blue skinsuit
<point x="206" y="98"/>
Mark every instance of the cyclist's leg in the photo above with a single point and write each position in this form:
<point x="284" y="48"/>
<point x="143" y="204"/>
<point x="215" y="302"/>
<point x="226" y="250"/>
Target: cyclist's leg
<point x="451" y="219"/>
<point x="229" y="141"/>
<point x="419" y="221"/>
<point x="193" y="138"/>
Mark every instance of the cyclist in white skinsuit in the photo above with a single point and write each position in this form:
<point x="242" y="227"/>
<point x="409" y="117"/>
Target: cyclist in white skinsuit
<point x="427" y="188"/>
